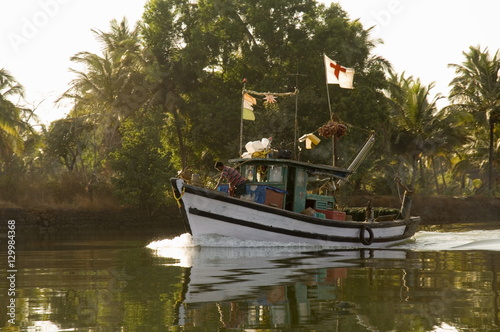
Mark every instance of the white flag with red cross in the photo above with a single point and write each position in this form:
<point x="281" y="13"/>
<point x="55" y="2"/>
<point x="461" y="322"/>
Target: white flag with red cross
<point x="337" y="74"/>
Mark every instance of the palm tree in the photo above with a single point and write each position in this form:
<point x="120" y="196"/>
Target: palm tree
<point x="10" y="115"/>
<point x="476" y="90"/>
<point x="419" y="125"/>
<point x="111" y="86"/>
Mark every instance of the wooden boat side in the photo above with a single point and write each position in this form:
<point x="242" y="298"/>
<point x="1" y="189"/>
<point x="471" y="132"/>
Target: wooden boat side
<point x="410" y="224"/>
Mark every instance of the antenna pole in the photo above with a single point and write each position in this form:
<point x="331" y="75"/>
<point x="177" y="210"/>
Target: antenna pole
<point x="241" y="111"/>
<point x="296" y="123"/>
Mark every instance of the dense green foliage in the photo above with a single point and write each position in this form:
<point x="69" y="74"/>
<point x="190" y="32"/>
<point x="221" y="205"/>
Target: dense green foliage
<point x="166" y="95"/>
<point x="140" y="165"/>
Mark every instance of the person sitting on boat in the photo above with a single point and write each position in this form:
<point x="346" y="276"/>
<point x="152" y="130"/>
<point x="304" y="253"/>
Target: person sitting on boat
<point x="237" y="183"/>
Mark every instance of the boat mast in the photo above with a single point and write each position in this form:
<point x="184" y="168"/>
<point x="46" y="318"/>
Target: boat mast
<point x="331" y="117"/>
<point x="296" y="122"/>
<point x="241" y="111"/>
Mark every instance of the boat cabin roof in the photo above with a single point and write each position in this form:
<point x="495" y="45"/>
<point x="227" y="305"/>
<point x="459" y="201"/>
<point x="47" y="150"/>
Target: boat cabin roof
<point x="312" y="169"/>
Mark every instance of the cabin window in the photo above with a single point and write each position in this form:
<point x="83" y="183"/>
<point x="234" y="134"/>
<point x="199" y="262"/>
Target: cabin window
<point x="275" y="173"/>
<point x="249" y="172"/>
<point x="265" y="173"/>
<point x="262" y="173"/>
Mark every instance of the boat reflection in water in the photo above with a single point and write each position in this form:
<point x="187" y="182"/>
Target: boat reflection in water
<point x="326" y="289"/>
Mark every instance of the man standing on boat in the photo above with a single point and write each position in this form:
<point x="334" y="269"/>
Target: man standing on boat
<point x="237" y="183"/>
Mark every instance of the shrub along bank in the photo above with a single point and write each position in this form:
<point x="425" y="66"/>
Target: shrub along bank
<point x="74" y="222"/>
<point x="441" y="210"/>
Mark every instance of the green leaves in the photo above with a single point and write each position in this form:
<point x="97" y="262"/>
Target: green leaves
<point x="12" y="121"/>
<point x="142" y="164"/>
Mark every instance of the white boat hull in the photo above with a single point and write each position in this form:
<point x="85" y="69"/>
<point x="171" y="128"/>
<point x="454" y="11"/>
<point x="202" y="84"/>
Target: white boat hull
<point x="208" y="212"/>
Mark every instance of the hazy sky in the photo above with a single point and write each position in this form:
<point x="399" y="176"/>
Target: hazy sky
<point x="421" y="37"/>
<point x="38" y="37"/>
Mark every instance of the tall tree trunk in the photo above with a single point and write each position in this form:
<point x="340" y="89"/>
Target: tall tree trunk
<point x="414" y="175"/>
<point x="490" y="157"/>
<point x="442" y="175"/>
<point x="422" y="175"/>
<point x="434" y="172"/>
<point x="180" y="137"/>
<point x="171" y="104"/>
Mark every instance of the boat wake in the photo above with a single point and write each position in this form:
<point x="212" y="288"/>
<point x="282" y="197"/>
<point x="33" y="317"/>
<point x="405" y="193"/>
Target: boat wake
<point x="218" y="241"/>
<point x="216" y="249"/>
<point x="465" y="240"/>
<point x="422" y="241"/>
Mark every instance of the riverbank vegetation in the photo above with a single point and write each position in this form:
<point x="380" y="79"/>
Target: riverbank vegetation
<point x="165" y="95"/>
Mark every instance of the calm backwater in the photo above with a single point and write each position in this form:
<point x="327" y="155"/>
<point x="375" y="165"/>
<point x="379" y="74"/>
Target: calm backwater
<point x="445" y="280"/>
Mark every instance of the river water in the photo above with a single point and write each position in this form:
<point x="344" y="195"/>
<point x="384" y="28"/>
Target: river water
<point x="445" y="279"/>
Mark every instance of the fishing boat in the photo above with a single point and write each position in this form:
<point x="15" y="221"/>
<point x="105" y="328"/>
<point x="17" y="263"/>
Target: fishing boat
<point x="289" y="201"/>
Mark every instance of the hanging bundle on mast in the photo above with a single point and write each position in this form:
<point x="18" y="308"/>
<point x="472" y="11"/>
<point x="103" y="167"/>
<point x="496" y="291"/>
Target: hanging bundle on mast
<point x="333" y="129"/>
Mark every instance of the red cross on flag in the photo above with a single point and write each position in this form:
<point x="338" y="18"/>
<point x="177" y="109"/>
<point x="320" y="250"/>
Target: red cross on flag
<point x="336" y="74"/>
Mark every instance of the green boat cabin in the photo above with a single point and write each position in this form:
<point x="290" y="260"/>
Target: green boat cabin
<point x="293" y="185"/>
